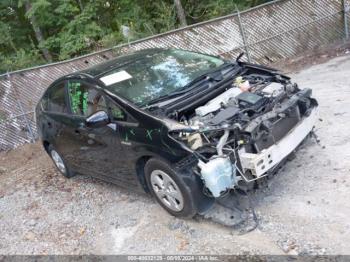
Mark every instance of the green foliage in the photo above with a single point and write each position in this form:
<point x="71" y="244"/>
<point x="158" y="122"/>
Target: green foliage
<point x="202" y="10"/>
<point x="20" y="59"/>
<point x="69" y="28"/>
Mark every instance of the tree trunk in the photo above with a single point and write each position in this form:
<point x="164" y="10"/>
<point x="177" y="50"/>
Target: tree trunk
<point x="180" y="13"/>
<point x="80" y="5"/>
<point x="38" y="33"/>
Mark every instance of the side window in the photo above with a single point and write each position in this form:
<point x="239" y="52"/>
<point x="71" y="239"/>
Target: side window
<point x="57" y="99"/>
<point x="116" y="112"/>
<point x="85" y="100"/>
<point x="45" y="102"/>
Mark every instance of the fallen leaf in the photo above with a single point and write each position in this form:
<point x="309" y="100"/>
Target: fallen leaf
<point x="82" y="231"/>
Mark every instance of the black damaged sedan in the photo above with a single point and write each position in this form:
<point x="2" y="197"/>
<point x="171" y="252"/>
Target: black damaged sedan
<point x="186" y="127"/>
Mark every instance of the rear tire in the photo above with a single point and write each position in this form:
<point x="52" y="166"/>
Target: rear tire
<point x="60" y="163"/>
<point x="169" y="189"/>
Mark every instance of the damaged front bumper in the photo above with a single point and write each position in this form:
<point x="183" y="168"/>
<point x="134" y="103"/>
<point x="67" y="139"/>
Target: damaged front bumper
<point x="259" y="164"/>
<point x="231" y="154"/>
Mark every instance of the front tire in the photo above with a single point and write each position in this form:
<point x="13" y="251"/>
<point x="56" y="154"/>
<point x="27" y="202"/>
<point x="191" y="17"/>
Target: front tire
<point x="169" y="189"/>
<point x="59" y="162"/>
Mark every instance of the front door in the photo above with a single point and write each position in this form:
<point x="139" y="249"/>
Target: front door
<point x="94" y="149"/>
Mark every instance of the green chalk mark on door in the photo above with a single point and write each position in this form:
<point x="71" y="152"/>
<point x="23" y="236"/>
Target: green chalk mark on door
<point x="149" y="134"/>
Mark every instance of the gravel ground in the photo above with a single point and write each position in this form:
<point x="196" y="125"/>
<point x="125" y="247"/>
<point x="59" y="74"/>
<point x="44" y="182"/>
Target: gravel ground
<point x="305" y="209"/>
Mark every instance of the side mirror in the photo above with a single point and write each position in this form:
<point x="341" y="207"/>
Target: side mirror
<point x="98" y="119"/>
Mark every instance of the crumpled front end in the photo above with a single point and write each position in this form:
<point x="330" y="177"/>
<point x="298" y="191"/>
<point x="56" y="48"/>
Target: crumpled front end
<point x="258" y="164"/>
<point x="242" y="135"/>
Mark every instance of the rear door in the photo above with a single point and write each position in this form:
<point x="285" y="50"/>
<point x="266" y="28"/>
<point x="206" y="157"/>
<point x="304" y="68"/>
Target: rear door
<point x="56" y="118"/>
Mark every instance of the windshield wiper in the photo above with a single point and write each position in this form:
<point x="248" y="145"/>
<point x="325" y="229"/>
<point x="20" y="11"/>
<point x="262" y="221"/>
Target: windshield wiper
<point x="215" y="75"/>
<point x="163" y="98"/>
<point x="185" y="89"/>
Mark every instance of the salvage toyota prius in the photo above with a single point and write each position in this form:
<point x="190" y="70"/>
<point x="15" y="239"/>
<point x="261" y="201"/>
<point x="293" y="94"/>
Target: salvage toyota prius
<point x="184" y="126"/>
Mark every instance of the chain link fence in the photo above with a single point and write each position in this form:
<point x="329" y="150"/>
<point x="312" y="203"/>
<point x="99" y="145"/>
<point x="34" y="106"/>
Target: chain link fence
<point x="267" y="33"/>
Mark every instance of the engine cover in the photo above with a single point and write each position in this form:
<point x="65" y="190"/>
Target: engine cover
<point x="216" y="103"/>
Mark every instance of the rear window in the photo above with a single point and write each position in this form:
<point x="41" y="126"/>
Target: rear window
<point x="57" y="99"/>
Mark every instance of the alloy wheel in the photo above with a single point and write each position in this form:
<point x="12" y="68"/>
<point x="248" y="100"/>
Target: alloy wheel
<point x="167" y="190"/>
<point x="58" y="161"/>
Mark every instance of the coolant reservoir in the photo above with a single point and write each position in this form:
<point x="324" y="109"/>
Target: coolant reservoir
<point x="218" y="174"/>
<point x="243" y="85"/>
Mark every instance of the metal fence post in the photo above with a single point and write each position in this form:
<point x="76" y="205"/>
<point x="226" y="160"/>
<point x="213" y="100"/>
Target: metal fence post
<point x="241" y="29"/>
<point x="345" y="11"/>
<point x="32" y="137"/>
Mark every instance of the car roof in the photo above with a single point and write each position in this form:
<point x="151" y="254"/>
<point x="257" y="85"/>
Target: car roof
<point x="98" y="70"/>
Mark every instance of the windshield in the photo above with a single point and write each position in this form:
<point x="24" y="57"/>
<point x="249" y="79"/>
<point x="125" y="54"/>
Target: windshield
<point x="158" y="74"/>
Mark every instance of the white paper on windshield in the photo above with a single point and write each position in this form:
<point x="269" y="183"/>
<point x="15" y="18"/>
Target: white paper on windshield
<point x="115" y="78"/>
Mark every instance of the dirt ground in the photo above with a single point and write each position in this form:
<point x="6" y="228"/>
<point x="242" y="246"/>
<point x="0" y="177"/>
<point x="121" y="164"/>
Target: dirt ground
<point x="305" y="209"/>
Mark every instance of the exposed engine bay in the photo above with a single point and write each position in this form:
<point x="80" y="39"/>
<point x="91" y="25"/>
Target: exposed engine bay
<point x="243" y="133"/>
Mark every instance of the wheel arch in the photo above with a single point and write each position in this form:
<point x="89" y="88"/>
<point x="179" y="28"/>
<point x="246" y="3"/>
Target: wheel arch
<point x="140" y="171"/>
<point x="140" y="168"/>
<point x="46" y="145"/>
